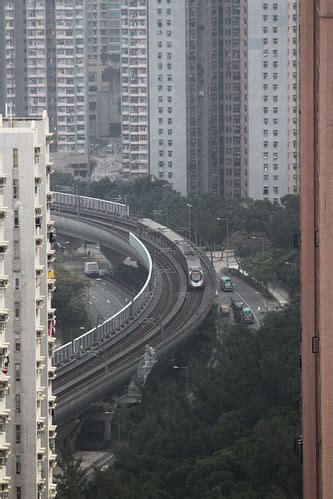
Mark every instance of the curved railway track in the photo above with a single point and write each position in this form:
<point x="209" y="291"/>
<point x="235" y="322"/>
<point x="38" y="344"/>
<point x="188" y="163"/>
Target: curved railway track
<point x="172" y="309"/>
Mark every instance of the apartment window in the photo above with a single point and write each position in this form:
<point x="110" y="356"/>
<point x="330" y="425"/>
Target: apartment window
<point x="15" y="157"/>
<point x="15" y="188"/>
<point x="18" y="464"/>
<point x="17" y="403"/>
<point x="16" y="218"/>
<point x="18" y="434"/>
<point x="16" y="250"/>
<point x="17" y="371"/>
<point x="17" y="343"/>
<point x="17" y="311"/>
<point x="16" y="281"/>
<point x="18" y="493"/>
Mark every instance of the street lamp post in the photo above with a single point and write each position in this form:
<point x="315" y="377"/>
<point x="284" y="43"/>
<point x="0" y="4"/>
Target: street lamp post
<point x="186" y="379"/>
<point x="227" y="248"/>
<point x="189" y="220"/>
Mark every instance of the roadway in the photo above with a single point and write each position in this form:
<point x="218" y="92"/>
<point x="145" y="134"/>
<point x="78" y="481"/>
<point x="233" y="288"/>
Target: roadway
<point x="104" y="299"/>
<point x="250" y="296"/>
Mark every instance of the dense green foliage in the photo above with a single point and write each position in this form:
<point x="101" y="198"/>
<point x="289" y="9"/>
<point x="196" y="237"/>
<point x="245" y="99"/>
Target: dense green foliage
<point x="255" y="227"/>
<point x="232" y="438"/>
<point x="132" y="278"/>
<point x="69" y="301"/>
<point x="71" y="481"/>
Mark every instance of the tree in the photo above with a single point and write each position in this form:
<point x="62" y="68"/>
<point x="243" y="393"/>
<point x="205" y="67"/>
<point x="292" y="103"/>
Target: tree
<point x="72" y="480"/>
<point x="261" y="267"/>
<point x="233" y="439"/>
<point x="69" y="299"/>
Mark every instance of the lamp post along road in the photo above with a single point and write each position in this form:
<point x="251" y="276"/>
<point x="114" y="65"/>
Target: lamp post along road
<point x="227" y="248"/>
<point x="189" y="221"/>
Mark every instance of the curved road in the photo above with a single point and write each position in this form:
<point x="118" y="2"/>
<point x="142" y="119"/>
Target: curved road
<point x="104" y="299"/>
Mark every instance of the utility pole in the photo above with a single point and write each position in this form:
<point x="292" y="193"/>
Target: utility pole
<point x="189" y="221"/>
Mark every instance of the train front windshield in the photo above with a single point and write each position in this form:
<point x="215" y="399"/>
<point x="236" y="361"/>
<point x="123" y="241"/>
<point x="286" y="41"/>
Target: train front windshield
<point x="196" y="276"/>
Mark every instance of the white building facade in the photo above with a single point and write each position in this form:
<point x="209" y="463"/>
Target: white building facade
<point x="27" y="435"/>
<point x="272" y="98"/>
<point x="134" y="87"/>
<point x="168" y="92"/>
<point x="43" y="66"/>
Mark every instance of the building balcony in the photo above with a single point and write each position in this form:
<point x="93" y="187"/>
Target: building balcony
<point x="40" y="393"/>
<point x="39" y="332"/>
<point x="4" y="416"/>
<point x="39" y="241"/>
<point x="3" y="180"/>
<point x="4" y="450"/>
<point x="38" y="210"/>
<point x="40" y="301"/>
<point x="3" y="247"/>
<point x="52" y="490"/>
<point x="50" y="226"/>
<point x="3" y="214"/>
<point x="50" y="256"/>
<point x="40" y="362"/>
<point x="4" y="282"/>
<point x="49" y="138"/>
<point x="49" y="167"/>
<point x="51" y="285"/>
<point x="5" y="480"/>
<point x="49" y="197"/>
<point x="4" y="314"/>
<point x="38" y="180"/>
<point x="39" y="270"/>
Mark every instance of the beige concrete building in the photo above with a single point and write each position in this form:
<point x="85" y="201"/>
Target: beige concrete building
<point x="27" y="435"/>
<point x="316" y="36"/>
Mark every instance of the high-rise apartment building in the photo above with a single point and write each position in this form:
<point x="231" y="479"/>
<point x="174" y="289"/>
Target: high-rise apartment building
<point x="167" y="92"/>
<point x="134" y="87"/>
<point x="233" y="98"/>
<point x="103" y="50"/>
<point x="220" y="77"/>
<point x="27" y="435"/>
<point x="170" y="92"/>
<point x="43" y="66"/>
<point x="272" y="90"/>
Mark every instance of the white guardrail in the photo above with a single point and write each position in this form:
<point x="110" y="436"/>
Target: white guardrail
<point x="115" y="323"/>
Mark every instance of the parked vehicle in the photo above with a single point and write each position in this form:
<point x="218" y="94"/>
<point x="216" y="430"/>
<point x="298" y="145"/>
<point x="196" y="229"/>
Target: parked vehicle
<point x="247" y="315"/>
<point x="226" y="283"/>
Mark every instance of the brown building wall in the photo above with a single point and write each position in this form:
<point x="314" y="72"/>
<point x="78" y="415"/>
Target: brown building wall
<point x="317" y="245"/>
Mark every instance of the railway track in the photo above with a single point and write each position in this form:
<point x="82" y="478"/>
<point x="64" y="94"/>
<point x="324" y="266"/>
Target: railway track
<point x="172" y="309"/>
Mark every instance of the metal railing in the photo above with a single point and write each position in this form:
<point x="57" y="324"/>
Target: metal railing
<point x="115" y="323"/>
